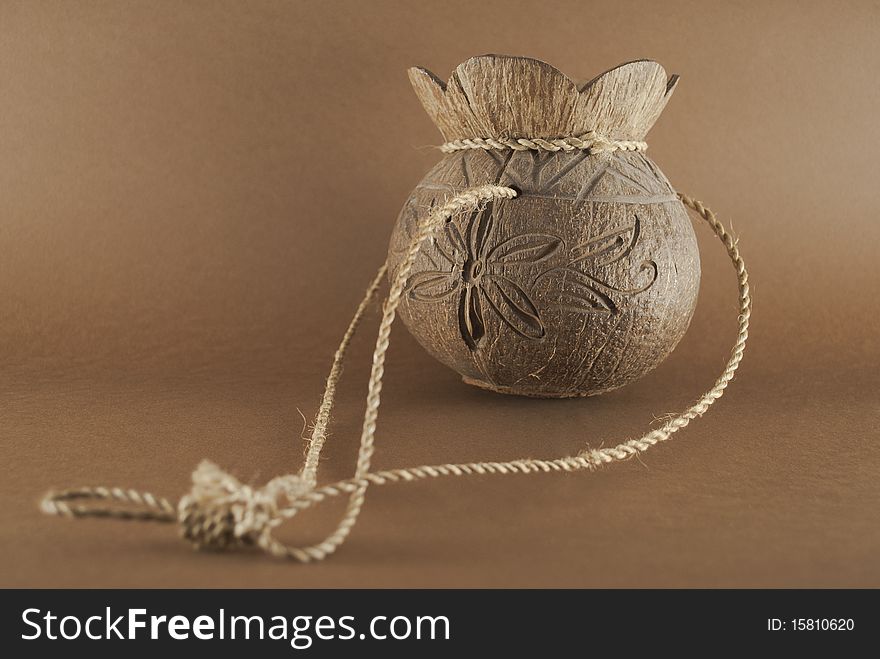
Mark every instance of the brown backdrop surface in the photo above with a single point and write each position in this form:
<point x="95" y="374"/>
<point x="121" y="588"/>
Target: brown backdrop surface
<point x="195" y="194"/>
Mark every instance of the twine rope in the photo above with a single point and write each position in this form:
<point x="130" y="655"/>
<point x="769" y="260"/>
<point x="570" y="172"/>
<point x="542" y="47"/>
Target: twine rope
<point x="590" y="141"/>
<point x="220" y="512"/>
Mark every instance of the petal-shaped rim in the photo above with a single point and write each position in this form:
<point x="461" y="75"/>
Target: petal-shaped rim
<point x="493" y="60"/>
<point x="621" y="103"/>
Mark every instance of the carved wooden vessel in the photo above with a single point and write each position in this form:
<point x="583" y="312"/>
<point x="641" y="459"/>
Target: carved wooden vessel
<point x="589" y="278"/>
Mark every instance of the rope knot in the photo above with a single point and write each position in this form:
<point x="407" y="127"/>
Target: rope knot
<point x="221" y="512"/>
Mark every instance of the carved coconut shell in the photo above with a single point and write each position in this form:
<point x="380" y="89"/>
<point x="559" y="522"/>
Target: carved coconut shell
<point x="586" y="280"/>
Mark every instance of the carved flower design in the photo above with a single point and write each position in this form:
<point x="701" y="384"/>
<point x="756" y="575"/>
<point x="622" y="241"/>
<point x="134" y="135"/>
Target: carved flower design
<point x="585" y="290"/>
<point x="477" y="270"/>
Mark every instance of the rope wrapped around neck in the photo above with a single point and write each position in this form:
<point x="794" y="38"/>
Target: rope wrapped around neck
<point x="222" y="513"/>
<point x="590" y="141"/>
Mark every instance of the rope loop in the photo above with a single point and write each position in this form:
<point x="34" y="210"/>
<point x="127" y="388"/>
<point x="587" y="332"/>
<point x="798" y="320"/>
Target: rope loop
<point x="220" y="512"/>
<point x="116" y="502"/>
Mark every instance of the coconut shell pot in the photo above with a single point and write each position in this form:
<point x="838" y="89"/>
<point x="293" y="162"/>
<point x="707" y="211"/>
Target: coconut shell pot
<point x="586" y="280"/>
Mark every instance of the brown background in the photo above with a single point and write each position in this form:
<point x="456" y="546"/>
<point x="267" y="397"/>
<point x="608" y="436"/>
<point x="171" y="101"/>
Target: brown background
<point x="195" y="194"/>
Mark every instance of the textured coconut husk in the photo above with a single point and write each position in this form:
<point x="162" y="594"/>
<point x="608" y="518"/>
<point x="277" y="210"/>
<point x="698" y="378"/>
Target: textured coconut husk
<point x="500" y="96"/>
